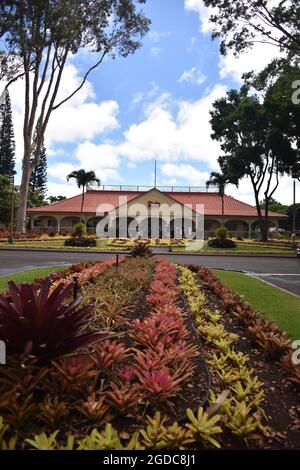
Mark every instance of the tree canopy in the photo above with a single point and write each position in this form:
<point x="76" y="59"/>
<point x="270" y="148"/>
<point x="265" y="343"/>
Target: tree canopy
<point x="253" y="145"/>
<point x="241" y="23"/>
<point x="36" y="40"/>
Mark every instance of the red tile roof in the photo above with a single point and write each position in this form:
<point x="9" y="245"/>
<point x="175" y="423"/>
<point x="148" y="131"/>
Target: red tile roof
<point x="212" y="203"/>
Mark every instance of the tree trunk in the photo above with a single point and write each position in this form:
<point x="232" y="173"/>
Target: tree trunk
<point x="222" y="196"/>
<point x="266" y="221"/>
<point x="82" y="203"/>
<point x="26" y="172"/>
<point x="264" y="235"/>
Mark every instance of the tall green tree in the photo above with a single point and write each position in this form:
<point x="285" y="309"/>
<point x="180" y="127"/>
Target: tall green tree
<point x="6" y="189"/>
<point x="7" y="141"/>
<point x="53" y="199"/>
<point x="38" y="178"/>
<point x="39" y="37"/>
<point x="253" y="146"/>
<point x="241" y="23"/>
<point x="83" y="179"/>
<point x="220" y="181"/>
<point x="275" y="206"/>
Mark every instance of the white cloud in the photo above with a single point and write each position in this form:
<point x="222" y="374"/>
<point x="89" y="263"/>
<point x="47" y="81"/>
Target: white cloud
<point x="194" y="76"/>
<point x="155" y="51"/>
<point x="156" y="36"/>
<point x="283" y="194"/>
<point x="75" y="123"/>
<point x="186" y="172"/>
<point x="97" y="156"/>
<point x="192" y="43"/>
<point x="66" y="189"/>
<point x="203" y="12"/>
<point x="103" y="159"/>
<point x="79" y="119"/>
<point x="168" y="135"/>
<point x="61" y="170"/>
<point x="255" y="59"/>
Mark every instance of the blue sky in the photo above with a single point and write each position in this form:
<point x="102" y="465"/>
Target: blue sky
<point x="152" y="105"/>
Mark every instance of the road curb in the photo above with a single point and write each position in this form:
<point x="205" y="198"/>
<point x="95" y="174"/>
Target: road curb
<point x="172" y="253"/>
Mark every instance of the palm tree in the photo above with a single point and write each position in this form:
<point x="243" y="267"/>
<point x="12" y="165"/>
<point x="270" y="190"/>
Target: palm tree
<point x="83" y="179"/>
<point x="219" y="180"/>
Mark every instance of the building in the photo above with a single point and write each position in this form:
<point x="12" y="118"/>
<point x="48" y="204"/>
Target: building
<point x="115" y="202"/>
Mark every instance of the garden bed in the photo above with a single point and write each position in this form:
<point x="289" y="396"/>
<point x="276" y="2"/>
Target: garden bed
<point x="173" y="366"/>
<point x="281" y="404"/>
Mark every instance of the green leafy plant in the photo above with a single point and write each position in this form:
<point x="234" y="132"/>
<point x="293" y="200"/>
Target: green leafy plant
<point x="203" y="427"/>
<point x="44" y="442"/>
<point x="241" y="420"/>
<point x="222" y="240"/>
<point x="6" y="445"/>
<point x="158" y="435"/>
<point x="79" y="230"/>
<point x="108" y="439"/>
<point x="248" y="393"/>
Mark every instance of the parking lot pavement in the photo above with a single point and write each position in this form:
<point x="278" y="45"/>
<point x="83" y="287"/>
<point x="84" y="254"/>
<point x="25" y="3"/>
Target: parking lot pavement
<point x="289" y="282"/>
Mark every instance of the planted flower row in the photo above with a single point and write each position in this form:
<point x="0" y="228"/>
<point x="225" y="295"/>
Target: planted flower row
<point x="241" y="409"/>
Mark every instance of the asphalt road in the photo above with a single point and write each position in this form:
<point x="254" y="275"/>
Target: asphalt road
<point x="282" y="272"/>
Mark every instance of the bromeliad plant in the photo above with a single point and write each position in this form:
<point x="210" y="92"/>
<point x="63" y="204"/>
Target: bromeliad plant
<point x="140" y="249"/>
<point x="166" y="360"/>
<point x="242" y="410"/>
<point x="41" y="324"/>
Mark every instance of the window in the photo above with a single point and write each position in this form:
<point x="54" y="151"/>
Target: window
<point x="51" y="223"/>
<point x="232" y="227"/>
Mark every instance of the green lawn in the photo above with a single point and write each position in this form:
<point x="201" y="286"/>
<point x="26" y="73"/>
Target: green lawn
<point x="28" y="276"/>
<point x="59" y="244"/>
<point x="102" y="245"/>
<point x="273" y="303"/>
<point x="245" y="248"/>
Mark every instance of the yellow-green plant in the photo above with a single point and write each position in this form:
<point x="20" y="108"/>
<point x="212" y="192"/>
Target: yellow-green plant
<point x="241" y="410"/>
<point x="6" y="445"/>
<point x="223" y="344"/>
<point x="241" y="419"/>
<point x="105" y="440"/>
<point x="108" y="439"/>
<point x="44" y="442"/>
<point x="218" y="361"/>
<point x="159" y="436"/>
<point x="238" y="358"/>
<point x="203" y="427"/>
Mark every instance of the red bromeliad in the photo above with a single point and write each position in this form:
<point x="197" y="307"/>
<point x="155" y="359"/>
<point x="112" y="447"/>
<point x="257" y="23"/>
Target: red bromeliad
<point x="166" y="360"/>
<point x="41" y="325"/>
